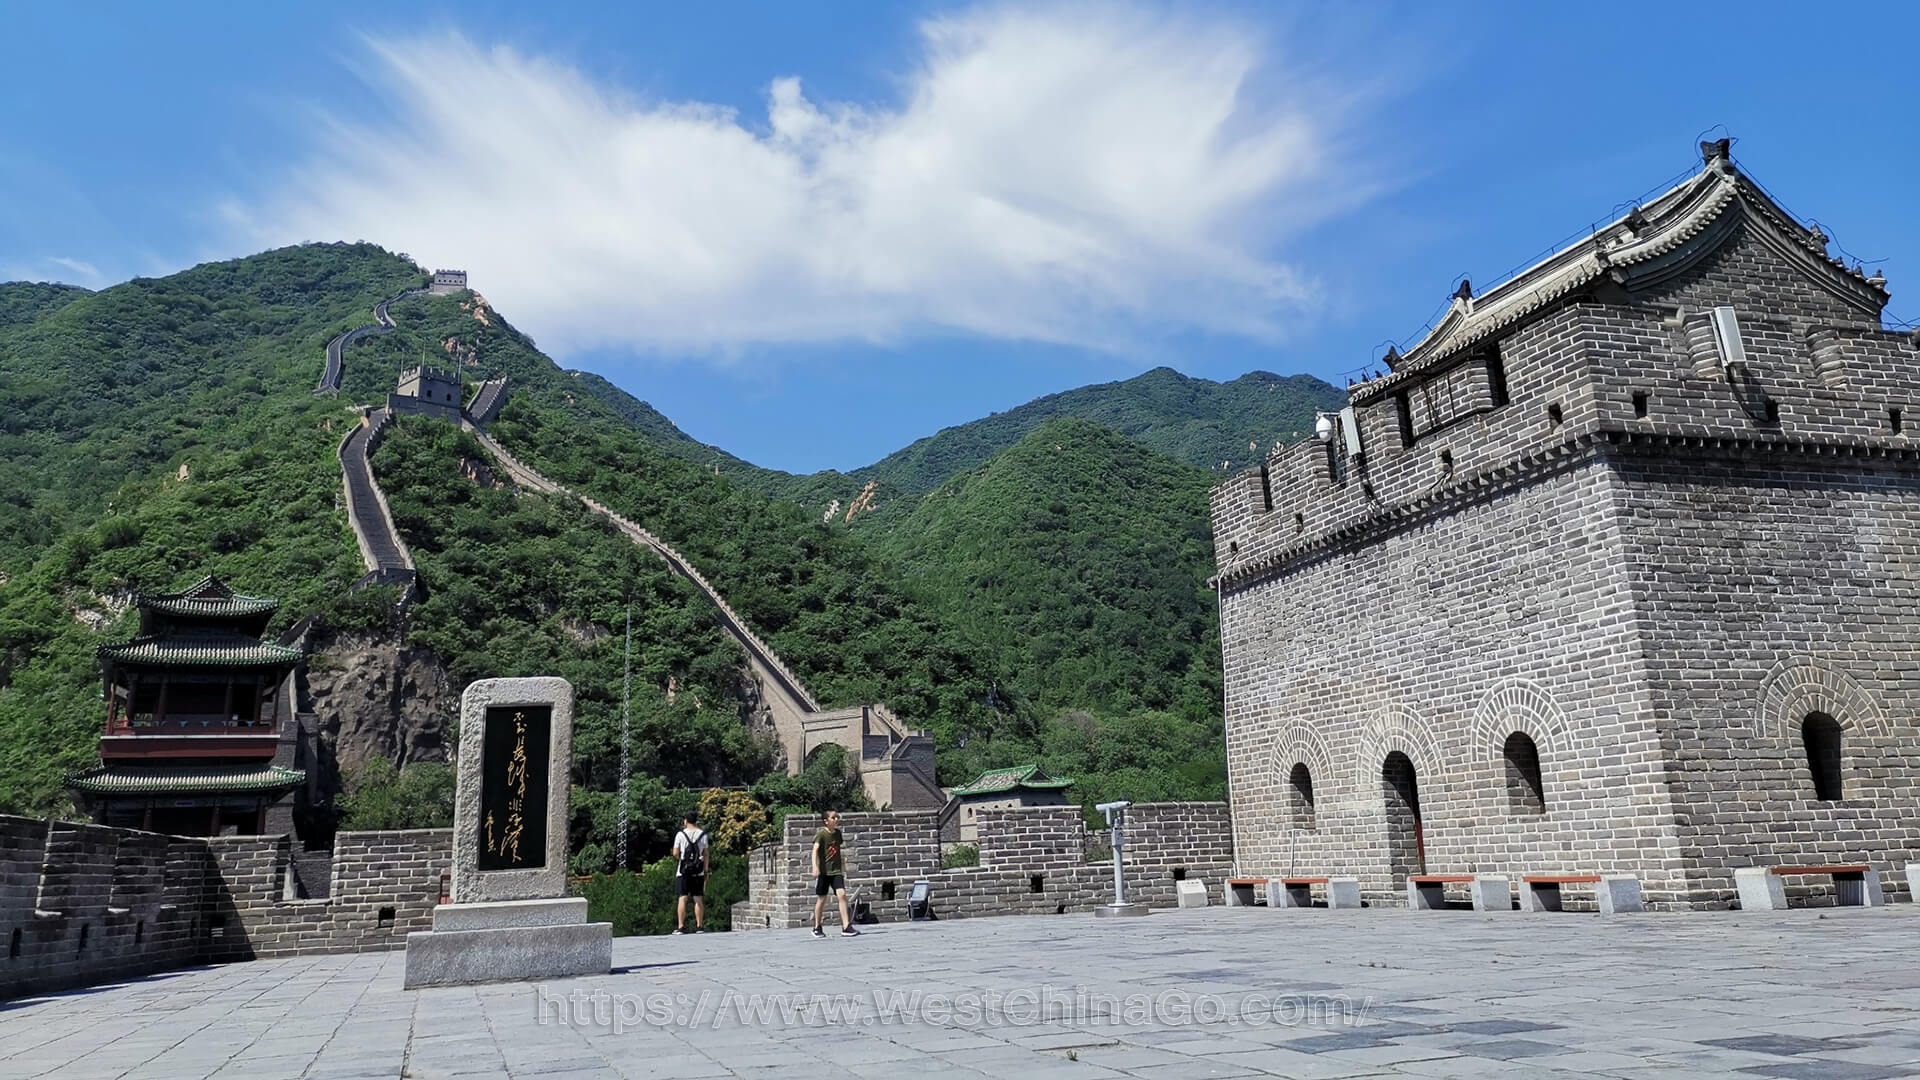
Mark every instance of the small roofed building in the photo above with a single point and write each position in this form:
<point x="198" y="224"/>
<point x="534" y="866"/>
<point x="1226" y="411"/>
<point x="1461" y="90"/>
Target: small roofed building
<point x="200" y="733"/>
<point x="1018" y="785"/>
<point x="448" y="282"/>
<point x="429" y="391"/>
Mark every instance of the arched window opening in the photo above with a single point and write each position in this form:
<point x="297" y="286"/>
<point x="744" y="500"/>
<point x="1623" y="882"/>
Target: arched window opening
<point x="1526" y="790"/>
<point x="1821" y="735"/>
<point x="1300" y="796"/>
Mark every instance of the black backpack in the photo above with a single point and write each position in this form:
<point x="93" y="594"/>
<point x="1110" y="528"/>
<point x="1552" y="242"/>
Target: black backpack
<point x="692" y="864"/>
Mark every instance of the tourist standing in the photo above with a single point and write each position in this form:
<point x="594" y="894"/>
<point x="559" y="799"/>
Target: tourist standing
<point x="693" y="856"/>
<point x="830" y="876"/>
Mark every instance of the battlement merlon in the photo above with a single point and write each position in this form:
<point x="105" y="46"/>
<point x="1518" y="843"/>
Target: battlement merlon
<point x="1617" y="337"/>
<point x="429" y="373"/>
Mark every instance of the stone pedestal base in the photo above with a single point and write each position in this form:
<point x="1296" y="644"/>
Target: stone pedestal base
<point x="1490" y="892"/>
<point x="1760" y="889"/>
<point x="1343" y="892"/>
<point x="1109" y="911"/>
<point x="508" y="941"/>
<point x="1190" y="893"/>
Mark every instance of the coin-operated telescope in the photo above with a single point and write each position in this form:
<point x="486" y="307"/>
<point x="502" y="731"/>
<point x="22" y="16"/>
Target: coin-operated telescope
<point x="1116" y="813"/>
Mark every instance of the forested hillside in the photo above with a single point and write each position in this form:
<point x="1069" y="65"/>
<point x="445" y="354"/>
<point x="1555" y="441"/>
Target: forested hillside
<point x="164" y="429"/>
<point x="1040" y="594"/>
<point x="1196" y="421"/>
<point x="1076" y="562"/>
<point x="149" y="433"/>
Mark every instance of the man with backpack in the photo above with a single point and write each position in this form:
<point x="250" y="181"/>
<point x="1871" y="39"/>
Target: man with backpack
<point x="693" y="856"/>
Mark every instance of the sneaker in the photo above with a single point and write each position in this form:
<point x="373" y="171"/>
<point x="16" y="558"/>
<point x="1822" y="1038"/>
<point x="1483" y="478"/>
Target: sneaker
<point x="679" y="930"/>
<point x="700" y="930"/>
<point x="817" y="932"/>
<point x="848" y="931"/>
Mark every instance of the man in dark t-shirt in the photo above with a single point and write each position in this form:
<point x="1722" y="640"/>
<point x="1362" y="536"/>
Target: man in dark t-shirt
<point x="829" y="875"/>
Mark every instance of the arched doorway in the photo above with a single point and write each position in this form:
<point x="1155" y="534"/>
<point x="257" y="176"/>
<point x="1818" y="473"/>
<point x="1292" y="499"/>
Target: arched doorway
<point x="1406" y="843"/>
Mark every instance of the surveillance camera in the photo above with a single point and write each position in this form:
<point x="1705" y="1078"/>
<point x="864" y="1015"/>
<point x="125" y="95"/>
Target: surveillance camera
<point x="1110" y="807"/>
<point x="1323" y="427"/>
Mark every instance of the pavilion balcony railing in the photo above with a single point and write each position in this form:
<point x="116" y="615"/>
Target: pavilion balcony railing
<point x="190" y="724"/>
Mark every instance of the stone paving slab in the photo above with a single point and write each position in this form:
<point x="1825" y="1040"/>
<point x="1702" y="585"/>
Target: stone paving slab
<point x="1200" y="993"/>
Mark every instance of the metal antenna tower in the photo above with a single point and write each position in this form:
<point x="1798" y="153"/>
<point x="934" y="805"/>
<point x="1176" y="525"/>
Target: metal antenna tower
<point x="626" y="731"/>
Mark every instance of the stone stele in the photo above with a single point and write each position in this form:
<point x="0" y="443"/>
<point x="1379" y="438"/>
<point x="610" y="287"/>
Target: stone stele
<point x="510" y="918"/>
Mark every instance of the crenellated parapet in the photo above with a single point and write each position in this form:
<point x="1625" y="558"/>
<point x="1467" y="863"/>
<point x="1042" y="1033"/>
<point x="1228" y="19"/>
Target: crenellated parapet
<point x="1707" y="318"/>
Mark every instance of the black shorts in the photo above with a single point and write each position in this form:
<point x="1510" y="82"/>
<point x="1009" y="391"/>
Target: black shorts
<point x="825" y="883"/>
<point x="690" y="885"/>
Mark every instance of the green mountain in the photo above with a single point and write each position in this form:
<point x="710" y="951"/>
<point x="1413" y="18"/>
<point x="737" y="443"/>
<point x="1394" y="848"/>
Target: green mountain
<point x="1076" y="562"/>
<point x="1196" y="421"/>
<point x="1036" y="590"/>
<point x="161" y="429"/>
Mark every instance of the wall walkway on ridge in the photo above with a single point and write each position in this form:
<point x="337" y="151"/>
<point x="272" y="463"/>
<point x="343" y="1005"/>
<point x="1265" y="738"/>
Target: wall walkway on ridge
<point x="334" y="368"/>
<point x="758" y="650"/>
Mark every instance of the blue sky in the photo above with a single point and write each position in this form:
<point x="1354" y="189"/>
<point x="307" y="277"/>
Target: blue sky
<point x="812" y="234"/>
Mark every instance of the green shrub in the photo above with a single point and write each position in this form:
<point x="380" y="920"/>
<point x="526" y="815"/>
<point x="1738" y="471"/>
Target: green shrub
<point x="960" y="855"/>
<point x="644" y="903"/>
<point x="378" y="796"/>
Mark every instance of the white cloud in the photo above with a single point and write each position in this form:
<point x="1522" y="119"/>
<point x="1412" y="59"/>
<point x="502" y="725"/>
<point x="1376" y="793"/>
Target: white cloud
<point x="1074" y="175"/>
<point x="55" y="268"/>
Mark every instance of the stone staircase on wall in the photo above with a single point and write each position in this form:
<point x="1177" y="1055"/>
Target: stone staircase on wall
<point x="896" y="764"/>
<point x="382" y="551"/>
<point x="487" y="402"/>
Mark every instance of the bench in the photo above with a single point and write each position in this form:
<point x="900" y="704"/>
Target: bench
<point x="1489" y="892"/>
<point x="1761" y="889"/>
<point x="1612" y="892"/>
<point x="1242" y="891"/>
<point x="1297" y="892"/>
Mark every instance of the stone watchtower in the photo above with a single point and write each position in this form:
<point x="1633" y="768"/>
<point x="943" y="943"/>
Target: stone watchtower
<point x="1616" y="570"/>
<point x="447" y="282"/>
<point x="428" y="390"/>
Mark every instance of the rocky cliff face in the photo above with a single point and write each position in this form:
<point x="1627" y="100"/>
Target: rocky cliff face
<point x="372" y="696"/>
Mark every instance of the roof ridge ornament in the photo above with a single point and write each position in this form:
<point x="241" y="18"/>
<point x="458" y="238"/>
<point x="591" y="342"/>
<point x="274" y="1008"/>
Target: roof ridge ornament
<point x="1463" y="296"/>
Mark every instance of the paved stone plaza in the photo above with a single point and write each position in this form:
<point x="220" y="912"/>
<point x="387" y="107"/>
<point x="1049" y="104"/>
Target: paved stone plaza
<point x="1831" y="993"/>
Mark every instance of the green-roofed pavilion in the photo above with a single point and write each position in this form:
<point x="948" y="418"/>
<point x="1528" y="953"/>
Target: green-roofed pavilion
<point x="198" y="712"/>
<point x="1015" y="785"/>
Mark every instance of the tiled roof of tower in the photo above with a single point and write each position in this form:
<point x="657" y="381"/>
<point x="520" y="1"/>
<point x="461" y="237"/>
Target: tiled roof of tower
<point x="1644" y="234"/>
<point x="200" y="649"/>
<point x="208" y="597"/>
<point x="994" y="781"/>
<point x="102" y="780"/>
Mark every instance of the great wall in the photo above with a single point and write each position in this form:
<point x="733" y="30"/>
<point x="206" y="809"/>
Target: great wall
<point x="336" y="365"/>
<point x="896" y="764"/>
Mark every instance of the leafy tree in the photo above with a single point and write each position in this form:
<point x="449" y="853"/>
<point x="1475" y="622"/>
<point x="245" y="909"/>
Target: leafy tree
<point x="736" y="822"/>
<point x="830" y="781"/>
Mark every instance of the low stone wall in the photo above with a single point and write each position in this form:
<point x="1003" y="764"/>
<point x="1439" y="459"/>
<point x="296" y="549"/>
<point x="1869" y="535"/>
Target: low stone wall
<point x="1033" y="861"/>
<point x="81" y="904"/>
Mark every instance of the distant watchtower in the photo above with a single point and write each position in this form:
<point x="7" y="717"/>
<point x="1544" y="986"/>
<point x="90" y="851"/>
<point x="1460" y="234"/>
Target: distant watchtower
<point x="429" y="390"/>
<point x="448" y="282"/>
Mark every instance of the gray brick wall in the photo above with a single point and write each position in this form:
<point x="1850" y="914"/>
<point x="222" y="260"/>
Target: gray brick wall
<point x="82" y="904"/>
<point x="1033" y="861"/>
<point x="1652" y="568"/>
